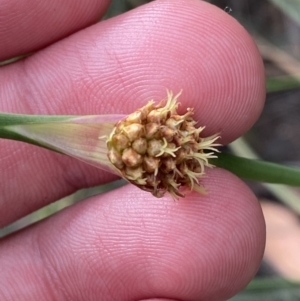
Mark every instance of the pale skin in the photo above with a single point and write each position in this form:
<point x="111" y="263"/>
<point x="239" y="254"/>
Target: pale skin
<point x="126" y="245"/>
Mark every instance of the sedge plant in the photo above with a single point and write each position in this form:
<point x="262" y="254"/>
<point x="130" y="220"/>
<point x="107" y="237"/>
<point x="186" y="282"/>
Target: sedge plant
<point x="155" y="148"/>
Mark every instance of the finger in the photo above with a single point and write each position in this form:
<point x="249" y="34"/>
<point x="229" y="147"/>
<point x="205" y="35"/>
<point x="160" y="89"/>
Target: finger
<point x="26" y="26"/>
<point x="116" y="67"/>
<point x="125" y="245"/>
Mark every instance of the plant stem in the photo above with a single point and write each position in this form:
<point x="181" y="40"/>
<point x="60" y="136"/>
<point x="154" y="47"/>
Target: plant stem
<point x="258" y="170"/>
<point x="7" y="120"/>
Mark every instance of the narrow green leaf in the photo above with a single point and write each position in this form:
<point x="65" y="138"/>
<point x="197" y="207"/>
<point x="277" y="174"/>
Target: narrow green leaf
<point x="269" y="288"/>
<point x="282" y="83"/>
<point x="258" y="170"/>
<point x="265" y="283"/>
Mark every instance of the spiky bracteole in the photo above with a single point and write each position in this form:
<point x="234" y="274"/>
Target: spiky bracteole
<point x="159" y="150"/>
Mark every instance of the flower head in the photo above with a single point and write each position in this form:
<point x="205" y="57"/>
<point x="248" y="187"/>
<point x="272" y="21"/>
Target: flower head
<point x="159" y="150"/>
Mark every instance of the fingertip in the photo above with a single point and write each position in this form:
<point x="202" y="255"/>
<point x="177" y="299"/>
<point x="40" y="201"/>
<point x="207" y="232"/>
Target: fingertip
<point x="31" y="25"/>
<point x="201" y="247"/>
<point x="220" y="235"/>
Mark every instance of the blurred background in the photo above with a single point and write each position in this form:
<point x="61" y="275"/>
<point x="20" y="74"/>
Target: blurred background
<point x="275" y="26"/>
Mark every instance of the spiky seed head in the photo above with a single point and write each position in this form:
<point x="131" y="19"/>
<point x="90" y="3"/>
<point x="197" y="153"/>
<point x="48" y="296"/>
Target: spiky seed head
<point x="161" y="151"/>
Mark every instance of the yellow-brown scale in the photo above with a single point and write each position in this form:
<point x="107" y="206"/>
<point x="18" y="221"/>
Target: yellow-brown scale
<point x="159" y="150"/>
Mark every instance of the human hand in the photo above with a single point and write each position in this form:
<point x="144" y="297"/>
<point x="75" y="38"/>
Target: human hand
<point x="126" y="244"/>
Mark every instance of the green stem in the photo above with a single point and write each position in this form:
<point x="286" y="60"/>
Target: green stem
<point x="14" y="119"/>
<point x="244" y="168"/>
<point x="7" y="120"/>
<point x="258" y="170"/>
